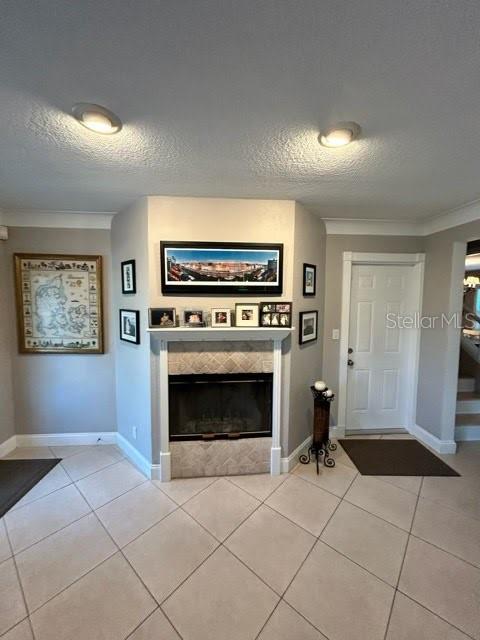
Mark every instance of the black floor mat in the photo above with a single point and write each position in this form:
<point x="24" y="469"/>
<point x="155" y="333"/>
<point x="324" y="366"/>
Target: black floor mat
<point x="394" y="458"/>
<point x="17" y="477"/>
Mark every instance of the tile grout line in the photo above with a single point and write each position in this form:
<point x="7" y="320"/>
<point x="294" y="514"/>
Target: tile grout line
<point x="403" y="562"/>
<point x="89" y="475"/>
<point x="454" y="555"/>
<point x="49" y="493"/>
<point x="21" y="589"/>
<point x="138" y="577"/>
<point x="92" y="510"/>
<point x="118" y="549"/>
<point x="436" y="615"/>
<point x="251" y="494"/>
<point x="221" y="544"/>
<point x="142" y="622"/>
<point x="304" y="561"/>
<point x="109" y="501"/>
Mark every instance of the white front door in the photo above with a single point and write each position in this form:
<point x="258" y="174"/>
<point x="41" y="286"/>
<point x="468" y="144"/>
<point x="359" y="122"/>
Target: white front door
<point x="377" y="393"/>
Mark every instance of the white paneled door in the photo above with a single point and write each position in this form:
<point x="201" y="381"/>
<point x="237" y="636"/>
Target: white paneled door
<point x="378" y="351"/>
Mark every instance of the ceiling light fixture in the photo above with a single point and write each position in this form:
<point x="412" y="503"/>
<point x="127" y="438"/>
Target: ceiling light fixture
<point x="96" y="118"/>
<point x="340" y="134"/>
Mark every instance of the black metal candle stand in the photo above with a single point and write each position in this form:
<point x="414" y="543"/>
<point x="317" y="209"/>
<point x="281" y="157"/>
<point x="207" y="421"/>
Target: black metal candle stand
<point x="321" y="445"/>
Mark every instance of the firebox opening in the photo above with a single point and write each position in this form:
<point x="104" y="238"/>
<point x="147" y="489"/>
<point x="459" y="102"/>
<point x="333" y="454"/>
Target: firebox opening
<point x="212" y="406"/>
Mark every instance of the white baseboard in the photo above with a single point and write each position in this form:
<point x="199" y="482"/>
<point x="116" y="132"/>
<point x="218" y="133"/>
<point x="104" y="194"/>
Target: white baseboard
<point x="337" y="432"/>
<point x="8" y="446"/>
<point x="440" y="446"/>
<point x="135" y="456"/>
<point x="466" y="433"/>
<point x="287" y="464"/>
<point x="61" y="439"/>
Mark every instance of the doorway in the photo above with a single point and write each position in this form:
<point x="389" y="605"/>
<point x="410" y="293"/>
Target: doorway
<point x="381" y="304"/>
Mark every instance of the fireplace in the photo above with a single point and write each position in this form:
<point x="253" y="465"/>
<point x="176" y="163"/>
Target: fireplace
<point x="220" y="406"/>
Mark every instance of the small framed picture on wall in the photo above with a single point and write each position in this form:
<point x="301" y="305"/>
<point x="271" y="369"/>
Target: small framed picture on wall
<point x="129" y="278"/>
<point x="130" y="326"/>
<point x="308" y="326"/>
<point x="309" y="279"/>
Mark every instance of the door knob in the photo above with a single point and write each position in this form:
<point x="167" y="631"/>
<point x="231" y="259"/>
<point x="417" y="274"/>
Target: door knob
<point x="350" y="362"/>
<point x="350" y="350"/>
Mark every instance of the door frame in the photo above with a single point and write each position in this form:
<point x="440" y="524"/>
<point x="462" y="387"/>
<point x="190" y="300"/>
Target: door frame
<point x="417" y="262"/>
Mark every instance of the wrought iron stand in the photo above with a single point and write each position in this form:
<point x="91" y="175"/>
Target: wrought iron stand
<point x="321" y="446"/>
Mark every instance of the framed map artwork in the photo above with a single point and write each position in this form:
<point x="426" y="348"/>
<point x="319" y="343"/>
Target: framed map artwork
<point x="59" y="303"/>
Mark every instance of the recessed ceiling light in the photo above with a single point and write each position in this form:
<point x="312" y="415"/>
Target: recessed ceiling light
<point x="340" y="134"/>
<point x="96" y="118"/>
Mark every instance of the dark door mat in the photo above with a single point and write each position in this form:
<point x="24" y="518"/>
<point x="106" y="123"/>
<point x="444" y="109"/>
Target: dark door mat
<point x="395" y="458"/>
<point x="17" y="477"/>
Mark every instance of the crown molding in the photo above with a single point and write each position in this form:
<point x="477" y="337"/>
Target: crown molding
<point x="426" y="227"/>
<point x="453" y="218"/>
<point x="365" y="227"/>
<point x="56" y="219"/>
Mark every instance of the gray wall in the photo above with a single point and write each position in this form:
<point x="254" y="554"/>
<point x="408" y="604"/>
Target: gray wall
<point x="61" y="393"/>
<point x="129" y="241"/>
<point x="439" y="347"/>
<point x="305" y="360"/>
<point x="336" y="245"/>
<point x="7" y="422"/>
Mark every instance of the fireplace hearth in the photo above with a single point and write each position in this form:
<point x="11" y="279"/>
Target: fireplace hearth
<point x="220" y="406"/>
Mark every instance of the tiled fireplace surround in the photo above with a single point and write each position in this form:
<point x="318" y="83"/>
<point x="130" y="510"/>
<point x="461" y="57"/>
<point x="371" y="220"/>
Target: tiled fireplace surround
<point x="220" y="457"/>
<point x="182" y="355"/>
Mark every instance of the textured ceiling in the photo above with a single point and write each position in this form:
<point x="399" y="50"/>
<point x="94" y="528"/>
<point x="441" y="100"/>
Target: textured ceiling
<point x="226" y="97"/>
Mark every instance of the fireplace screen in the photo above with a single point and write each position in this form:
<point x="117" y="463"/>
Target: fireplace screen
<point x="208" y="406"/>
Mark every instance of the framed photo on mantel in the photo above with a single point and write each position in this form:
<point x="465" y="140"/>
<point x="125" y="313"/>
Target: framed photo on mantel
<point x="59" y="303"/>
<point x="219" y="268"/>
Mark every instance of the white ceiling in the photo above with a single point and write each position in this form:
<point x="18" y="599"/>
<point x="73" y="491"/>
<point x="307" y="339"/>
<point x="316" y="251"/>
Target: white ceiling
<point x="226" y="97"/>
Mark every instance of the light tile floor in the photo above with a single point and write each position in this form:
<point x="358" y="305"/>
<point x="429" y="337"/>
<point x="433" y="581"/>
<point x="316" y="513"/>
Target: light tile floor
<point x="97" y="552"/>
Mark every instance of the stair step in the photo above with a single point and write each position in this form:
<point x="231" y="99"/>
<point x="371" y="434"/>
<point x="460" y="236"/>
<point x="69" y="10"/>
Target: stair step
<point x="467" y="419"/>
<point x="468" y="402"/>
<point x="466" y="384"/>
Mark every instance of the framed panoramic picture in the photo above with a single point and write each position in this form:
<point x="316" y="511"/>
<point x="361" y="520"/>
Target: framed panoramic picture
<point x="164" y="317"/>
<point x="246" y="315"/>
<point x="130" y="325"/>
<point x="308" y="326"/>
<point x="129" y="279"/>
<point x="275" y="314"/>
<point x="309" y="279"/>
<point x="59" y="303"/>
<point x="221" y="318"/>
<point x="192" y="268"/>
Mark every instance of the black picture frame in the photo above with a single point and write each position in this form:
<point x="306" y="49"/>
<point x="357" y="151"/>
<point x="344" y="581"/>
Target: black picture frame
<point x="162" y="317"/>
<point x="303" y="336"/>
<point x="129" y="333"/>
<point x="308" y="291"/>
<point x="182" y="285"/>
<point x="126" y="290"/>
<point x="275" y="314"/>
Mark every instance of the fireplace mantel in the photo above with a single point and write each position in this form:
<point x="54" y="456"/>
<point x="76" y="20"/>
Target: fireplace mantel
<point x="159" y="340"/>
<point x="193" y="334"/>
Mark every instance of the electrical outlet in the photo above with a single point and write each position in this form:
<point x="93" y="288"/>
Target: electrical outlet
<point x="134" y="433"/>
